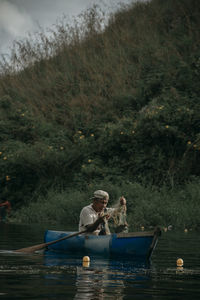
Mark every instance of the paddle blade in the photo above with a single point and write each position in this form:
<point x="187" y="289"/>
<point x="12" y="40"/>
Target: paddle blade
<point x="32" y="248"/>
<point x="41" y="246"/>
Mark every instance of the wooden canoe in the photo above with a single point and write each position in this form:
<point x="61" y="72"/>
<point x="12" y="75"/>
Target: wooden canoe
<point x="135" y="245"/>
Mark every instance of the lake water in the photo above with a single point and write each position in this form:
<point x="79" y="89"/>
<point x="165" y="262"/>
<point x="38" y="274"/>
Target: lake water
<point x="47" y="276"/>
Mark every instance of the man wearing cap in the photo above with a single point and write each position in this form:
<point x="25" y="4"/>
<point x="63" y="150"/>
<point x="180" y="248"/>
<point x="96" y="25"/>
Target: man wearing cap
<point x="91" y="216"/>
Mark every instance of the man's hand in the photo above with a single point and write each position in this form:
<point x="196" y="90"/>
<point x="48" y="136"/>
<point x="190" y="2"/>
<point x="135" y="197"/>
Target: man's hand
<point x="122" y="201"/>
<point x="94" y="226"/>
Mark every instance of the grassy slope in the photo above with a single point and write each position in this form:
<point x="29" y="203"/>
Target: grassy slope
<point x="118" y="106"/>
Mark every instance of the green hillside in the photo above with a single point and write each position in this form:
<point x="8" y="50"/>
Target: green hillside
<point x="89" y="108"/>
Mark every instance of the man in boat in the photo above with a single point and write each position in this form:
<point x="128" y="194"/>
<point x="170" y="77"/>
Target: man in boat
<point x="94" y="217"/>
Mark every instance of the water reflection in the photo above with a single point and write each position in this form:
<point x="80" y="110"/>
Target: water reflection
<point x="105" y="282"/>
<point x="59" y="276"/>
<point x="102" y="277"/>
<point x="92" y="284"/>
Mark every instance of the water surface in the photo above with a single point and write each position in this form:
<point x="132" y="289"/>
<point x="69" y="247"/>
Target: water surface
<point x="45" y="275"/>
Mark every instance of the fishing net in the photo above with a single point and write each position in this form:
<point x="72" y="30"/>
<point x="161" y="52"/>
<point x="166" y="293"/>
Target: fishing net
<point x="119" y="219"/>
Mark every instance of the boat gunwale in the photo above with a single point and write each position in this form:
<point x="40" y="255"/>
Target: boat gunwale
<point x="135" y="234"/>
<point x="118" y="235"/>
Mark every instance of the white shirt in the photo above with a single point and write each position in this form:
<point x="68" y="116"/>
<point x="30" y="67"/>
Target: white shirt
<point x="88" y="216"/>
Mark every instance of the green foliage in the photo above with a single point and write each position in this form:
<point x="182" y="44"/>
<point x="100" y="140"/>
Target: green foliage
<point x="146" y="206"/>
<point x="55" y="208"/>
<point x="116" y="102"/>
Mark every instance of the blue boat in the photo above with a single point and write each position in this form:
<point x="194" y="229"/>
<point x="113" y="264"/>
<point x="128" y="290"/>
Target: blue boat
<point x="134" y="245"/>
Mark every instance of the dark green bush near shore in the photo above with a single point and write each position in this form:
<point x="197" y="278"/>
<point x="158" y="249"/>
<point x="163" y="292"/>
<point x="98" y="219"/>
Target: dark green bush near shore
<point x="86" y="106"/>
<point x="146" y="206"/>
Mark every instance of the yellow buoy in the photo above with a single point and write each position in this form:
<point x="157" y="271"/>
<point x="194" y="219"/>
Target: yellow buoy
<point x="86" y="258"/>
<point x="86" y="261"/>
<point x="179" y="262"/>
<point x="86" y="264"/>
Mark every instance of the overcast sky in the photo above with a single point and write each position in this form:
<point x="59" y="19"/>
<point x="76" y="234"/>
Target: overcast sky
<point x="18" y="17"/>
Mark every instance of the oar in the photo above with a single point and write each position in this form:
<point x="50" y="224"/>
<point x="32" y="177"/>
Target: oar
<point x="90" y="228"/>
<point x="44" y="245"/>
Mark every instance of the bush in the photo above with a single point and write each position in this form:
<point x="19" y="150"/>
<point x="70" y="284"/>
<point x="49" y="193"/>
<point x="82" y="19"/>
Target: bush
<point x="146" y="206"/>
<point x="115" y="101"/>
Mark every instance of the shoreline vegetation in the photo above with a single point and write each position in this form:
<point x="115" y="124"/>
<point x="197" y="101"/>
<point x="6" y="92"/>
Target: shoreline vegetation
<point x="105" y="104"/>
<point x="147" y="207"/>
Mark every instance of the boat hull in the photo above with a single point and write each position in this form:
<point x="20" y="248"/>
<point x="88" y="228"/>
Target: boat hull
<point x="125" y="245"/>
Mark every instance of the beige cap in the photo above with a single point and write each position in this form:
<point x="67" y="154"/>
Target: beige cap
<point x="99" y="194"/>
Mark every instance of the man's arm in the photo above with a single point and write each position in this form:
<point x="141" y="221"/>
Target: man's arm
<point x="94" y="226"/>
